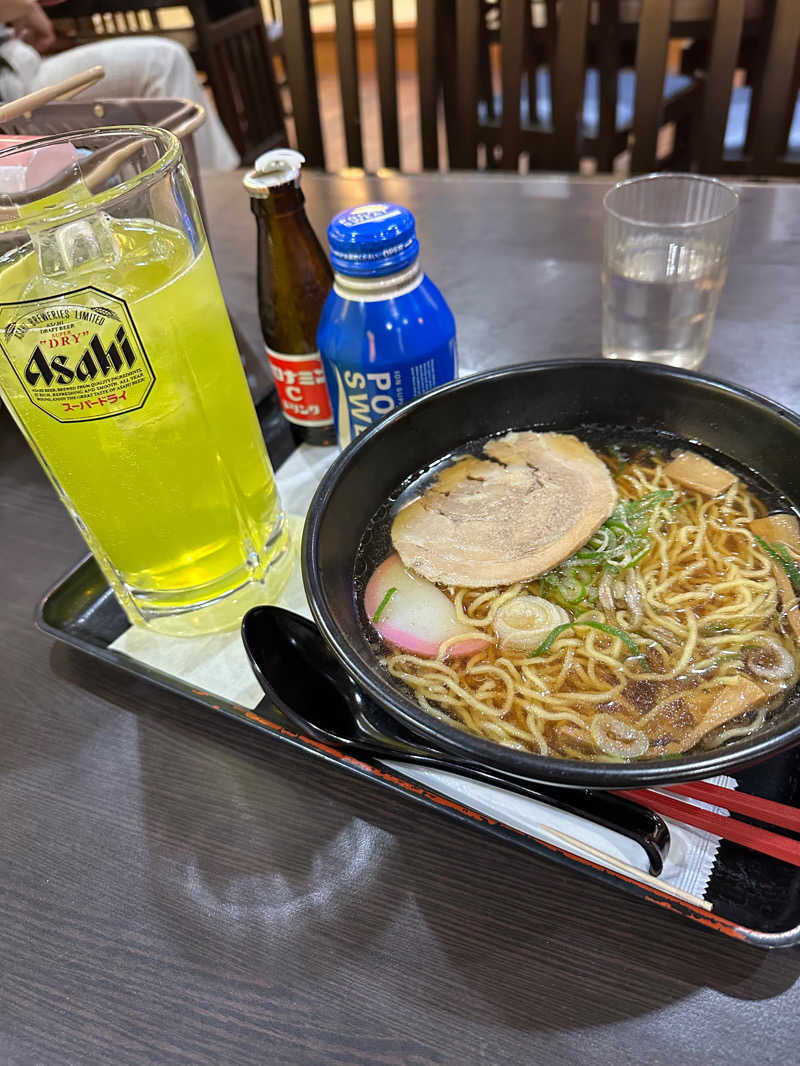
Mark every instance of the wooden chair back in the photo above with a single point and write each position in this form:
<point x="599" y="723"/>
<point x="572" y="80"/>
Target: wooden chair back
<point x="561" y="40"/>
<point x="616" y="33"/>
<point x="235" y="52"/>
<point x="774" y="92"/>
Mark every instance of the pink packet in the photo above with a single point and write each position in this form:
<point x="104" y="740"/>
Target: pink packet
<point x="33" y="168"/>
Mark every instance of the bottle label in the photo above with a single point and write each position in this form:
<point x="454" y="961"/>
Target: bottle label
<point x="362" y="396"/>
<point x="300" y="383"/>
<point x="78" y="356"/>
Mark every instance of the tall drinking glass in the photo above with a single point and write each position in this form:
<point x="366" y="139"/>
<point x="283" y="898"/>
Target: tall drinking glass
<point x="118" y="363"/>
<point x="666" y="243"/>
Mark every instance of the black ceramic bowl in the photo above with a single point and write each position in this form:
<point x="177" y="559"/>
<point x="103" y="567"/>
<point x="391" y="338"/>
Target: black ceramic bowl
<point x="749" y="429"/>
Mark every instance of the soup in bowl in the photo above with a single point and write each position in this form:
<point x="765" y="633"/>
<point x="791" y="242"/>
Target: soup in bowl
<point x="580" y="572"/>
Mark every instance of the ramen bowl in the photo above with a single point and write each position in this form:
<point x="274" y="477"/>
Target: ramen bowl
<point x="759" y="436"/>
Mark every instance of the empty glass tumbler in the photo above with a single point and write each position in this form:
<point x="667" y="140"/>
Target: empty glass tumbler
<point x="666" y="244"/>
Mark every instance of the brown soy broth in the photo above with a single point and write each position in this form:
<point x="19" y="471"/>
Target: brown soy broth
<point x="622" y="443"/>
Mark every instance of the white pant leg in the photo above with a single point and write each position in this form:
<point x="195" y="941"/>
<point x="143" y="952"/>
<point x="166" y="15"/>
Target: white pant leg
<point x="134" y="66"/>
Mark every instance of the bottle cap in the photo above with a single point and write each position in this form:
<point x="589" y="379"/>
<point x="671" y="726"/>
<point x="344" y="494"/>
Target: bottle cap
<point x="373" y="240"/>
<point x="277" y="167"/>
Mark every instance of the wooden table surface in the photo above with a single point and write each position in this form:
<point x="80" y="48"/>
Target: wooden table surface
<point x="175" y="889"/>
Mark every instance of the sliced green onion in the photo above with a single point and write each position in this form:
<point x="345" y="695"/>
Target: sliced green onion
<point x="587" y="557"/>
<point x="633" y="552"/>
<point x="639" y="511"/>
<point x="619" y="544"/>
<point x="617" y="565"/>
<point x="551" y="638"/>
<point x="570" y="589"/>
<point x="384" y="603"/>
<point x="779" y="554"/>
<point x="786" y="556"/>
<point x="651" y="500"/>
<point x="612" y="631"/>
<point x="587" y="575"/>
<point x="618" y="524"/>
<point x="601" y="541"/>
<point x="640" y="546"/>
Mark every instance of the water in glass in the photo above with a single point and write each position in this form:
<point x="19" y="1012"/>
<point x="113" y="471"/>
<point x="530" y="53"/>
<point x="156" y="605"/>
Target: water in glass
<point x="659" y="300"/>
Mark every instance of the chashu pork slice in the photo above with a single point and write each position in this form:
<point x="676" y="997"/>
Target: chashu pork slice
<point x="513" y="516"/>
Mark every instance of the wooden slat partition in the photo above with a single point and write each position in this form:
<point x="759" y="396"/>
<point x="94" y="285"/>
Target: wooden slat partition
<point x="725" y="41"/>
<point x="428" y="81"/>
<point x="567" y="82"/>
<point x="348" y="80"/>
<point x="651" y="68"/>
<point x="778" y="79"/>
<point x="301" y="73"/>
<point x="608" y="69"/>
<point x="387" y="81"/>
<point x="514" y="15"/>
<point x="465" y="147"/>
<point x="450" y="70"/>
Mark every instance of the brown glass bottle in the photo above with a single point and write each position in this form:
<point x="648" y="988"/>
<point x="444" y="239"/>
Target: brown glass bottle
<point x="294" y="279"/>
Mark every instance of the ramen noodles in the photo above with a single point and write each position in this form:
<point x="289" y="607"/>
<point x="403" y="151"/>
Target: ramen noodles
<point x="609" y="604"/>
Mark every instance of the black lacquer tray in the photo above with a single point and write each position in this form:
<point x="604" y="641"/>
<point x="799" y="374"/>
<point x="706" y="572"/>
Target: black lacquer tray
<point x="753" y="897"/>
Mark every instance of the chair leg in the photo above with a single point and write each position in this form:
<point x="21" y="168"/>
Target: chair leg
<point x="531" y="62"/>
<point x="446" y="14"/>
<point x="756" y="76"/>
<point x="485" y="90"/>
<point x="681" y="155"/>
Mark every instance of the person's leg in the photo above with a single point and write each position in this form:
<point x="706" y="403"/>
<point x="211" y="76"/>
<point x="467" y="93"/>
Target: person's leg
<point x="23" y="64"/>
<point x="139" y="66"/>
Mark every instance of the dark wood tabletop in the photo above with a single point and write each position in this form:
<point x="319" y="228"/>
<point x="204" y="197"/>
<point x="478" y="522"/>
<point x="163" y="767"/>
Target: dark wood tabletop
<point x="175" y="889"/>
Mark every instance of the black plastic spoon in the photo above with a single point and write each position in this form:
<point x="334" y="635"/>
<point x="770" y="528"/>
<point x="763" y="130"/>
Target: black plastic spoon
<point x="306" y="682"/>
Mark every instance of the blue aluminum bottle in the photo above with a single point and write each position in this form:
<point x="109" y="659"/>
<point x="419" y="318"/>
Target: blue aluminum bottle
<point x="386" y="334"/>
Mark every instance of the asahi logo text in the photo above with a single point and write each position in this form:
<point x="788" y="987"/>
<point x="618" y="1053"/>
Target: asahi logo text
<point x="78" y="357"/>
<point x="96" y="360"/>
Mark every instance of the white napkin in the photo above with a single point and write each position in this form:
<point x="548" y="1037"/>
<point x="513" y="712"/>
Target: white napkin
<point x="218" y="664"/>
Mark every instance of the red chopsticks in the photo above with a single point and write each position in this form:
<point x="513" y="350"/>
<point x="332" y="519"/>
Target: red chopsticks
<point x="741" y="802"/>
<point x="751" y="836"/>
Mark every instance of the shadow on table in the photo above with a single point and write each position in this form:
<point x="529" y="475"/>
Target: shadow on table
<point x="264" y="857"/>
